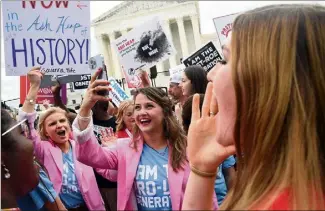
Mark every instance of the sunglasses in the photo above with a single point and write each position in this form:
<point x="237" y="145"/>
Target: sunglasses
<point x="23" y="128"/>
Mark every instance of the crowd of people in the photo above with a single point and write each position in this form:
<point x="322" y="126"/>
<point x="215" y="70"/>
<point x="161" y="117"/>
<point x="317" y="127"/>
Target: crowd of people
<point x="247" y="135"/>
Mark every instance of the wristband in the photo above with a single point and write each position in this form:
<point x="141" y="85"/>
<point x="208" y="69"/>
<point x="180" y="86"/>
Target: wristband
<point x="85" y="118"/>
<point x="202" y="173"/>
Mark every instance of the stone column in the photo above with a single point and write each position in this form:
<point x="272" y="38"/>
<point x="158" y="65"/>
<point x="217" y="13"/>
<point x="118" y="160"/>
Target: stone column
<point x="196" y="30"/>
<point x="115" y="61"/>
<point x="103" y="47"/>
<point x="182" y="36"/>
<point x="166" y="26"/>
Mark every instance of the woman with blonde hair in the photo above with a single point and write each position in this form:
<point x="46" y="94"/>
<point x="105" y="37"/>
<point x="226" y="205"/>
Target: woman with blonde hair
<point x="152" y="166"/>
<point x="55" y="149"/>
<point x="125" y="119"/>
<point x="267" y="104"/>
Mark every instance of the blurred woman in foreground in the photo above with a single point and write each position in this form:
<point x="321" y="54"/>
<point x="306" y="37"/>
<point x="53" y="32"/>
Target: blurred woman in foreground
<point x="267" y="103"/>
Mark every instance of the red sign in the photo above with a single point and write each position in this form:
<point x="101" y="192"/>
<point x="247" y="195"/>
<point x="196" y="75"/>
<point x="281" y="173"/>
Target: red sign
<point x="43" y="93"/>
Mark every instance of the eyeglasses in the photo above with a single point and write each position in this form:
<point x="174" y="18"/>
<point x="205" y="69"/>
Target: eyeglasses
<point x="24" y="128"/>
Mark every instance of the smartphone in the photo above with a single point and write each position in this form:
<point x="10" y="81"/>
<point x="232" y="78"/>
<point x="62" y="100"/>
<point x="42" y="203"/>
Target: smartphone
<point x="103" y="76"/>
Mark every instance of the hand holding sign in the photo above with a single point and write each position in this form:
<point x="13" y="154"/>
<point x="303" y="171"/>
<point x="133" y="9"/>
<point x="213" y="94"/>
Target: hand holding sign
<point x="35" y="76"/>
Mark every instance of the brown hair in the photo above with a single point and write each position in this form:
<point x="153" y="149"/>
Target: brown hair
<point x="119" y="117"/>
<point x="44" y="115"/>
<point x="187" y="111"/>
<point x="172" y="130"/>
<point x="278" y="67"/>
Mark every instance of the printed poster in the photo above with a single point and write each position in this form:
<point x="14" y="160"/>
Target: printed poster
<point x="117" y="94"/>
<point x="223" y="26"/>
<point x="44" y="93"/>
<point x="54" y="35"/>
<point x="206" y="57"/>
<point x="142" y="48"/>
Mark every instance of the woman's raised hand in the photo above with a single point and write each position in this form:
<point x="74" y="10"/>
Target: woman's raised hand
<point x="91" y="96"/>
<point x="35" y="77"/>
<point x="205" y="151"/>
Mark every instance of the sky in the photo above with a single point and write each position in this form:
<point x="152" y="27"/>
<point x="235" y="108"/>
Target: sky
<point x="208" y="11"/>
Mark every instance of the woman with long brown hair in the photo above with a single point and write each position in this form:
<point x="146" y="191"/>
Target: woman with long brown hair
<point x="125" y="119"/>
<point x="267" y="104"/>
<point x="152" y="166"/>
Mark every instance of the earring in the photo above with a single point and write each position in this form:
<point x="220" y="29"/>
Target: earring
<point x="6" y="172"/>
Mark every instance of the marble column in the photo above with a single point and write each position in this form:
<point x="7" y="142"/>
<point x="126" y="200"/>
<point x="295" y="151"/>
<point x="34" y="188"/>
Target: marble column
<point x="182" y="36"/>
<point x="103" y="48"/>
<point x="166" y="26"/>
<point x="115" y="61"/>
<point x="196" y="30"/>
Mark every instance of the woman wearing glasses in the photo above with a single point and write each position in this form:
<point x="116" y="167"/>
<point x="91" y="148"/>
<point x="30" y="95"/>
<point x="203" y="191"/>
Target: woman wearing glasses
<point x="18" y="192"/>
<point x="74" y="181"/>
<point x="152" y="166"/>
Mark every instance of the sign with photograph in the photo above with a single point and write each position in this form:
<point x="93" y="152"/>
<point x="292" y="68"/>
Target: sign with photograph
<point x="142" y="48"/>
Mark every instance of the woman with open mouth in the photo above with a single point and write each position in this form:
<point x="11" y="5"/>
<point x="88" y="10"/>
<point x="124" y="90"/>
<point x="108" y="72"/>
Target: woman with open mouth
<point x="55" y="149"/>
<point x="152" y="166"/>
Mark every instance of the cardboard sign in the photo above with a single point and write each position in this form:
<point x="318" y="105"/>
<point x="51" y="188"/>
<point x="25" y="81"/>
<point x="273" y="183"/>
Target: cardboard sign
<point x="44" y="93"/>
<point x="117" y="94"/>
<point x="176" y="70"/>
<point x="52" y="34"/>
<point x="83" y="83"/>
<point x="143" y="47"/>
<point x="206" y="57"/>
<point x="223" y="26"/>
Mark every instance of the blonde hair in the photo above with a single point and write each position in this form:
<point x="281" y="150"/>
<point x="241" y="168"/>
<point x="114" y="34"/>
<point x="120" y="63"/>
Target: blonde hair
<point x="278" y="66"/>
<point x="119" y="117"/>
<point x="44" y="115"/>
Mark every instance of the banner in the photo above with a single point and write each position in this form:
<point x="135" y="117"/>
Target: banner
<point x="83" y="83"/>
<point x="44" y="93"/>
<point x="206" y="57"/>
<point x="117" y="94"/>
<point x="54" y="35"/>
<point x="223" y="26"/>
<point x="142" y="48"/>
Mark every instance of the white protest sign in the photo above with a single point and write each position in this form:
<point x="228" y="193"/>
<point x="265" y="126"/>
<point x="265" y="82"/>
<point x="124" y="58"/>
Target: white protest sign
<point x="52" y="34"/>
<point x="143" y="47"/>
<point x="117" y="94"/>
<point x="223" y="26"/>
<point x="177" y="70"/>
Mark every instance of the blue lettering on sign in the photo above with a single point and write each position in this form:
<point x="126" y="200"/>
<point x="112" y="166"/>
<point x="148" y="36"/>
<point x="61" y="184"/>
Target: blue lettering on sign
<point x="64" y="25"/>
<point x="49" y="51"/>
<point x="38" y="25"/>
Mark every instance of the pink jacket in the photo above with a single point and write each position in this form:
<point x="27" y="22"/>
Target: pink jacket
<point x="125" y="159"/>
<point x="51" y="157"/>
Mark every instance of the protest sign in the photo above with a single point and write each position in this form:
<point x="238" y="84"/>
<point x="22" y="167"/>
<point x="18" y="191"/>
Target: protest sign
<point x="83" y="83"/>
<point x="52" y="34"/>
<point x="223" y="26"/>
<point x="176" y="70"/>
<point x="44" y="93"/>
<point x="142" y="48"/>
<point x="206" y="57"/>
<point x="117" y="94"/>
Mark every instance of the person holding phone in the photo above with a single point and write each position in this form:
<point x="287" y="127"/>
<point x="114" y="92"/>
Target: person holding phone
<point x="155" y="156"/>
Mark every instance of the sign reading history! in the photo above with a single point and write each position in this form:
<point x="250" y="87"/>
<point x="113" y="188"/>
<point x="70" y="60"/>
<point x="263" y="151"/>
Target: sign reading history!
<point x="206" y="57"/>
<point x="54" y="35"/>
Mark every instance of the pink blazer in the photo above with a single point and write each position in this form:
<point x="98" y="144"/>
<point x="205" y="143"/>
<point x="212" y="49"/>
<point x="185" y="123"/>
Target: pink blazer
<point x="51" y="157"/>
<point x="126" y="159"/>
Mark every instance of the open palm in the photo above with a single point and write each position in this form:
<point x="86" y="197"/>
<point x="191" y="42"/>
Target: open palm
<point x="205" y="151"/>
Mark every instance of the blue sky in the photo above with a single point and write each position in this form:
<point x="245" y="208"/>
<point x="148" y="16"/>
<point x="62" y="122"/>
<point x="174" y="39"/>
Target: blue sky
<point x="208" y="11"/>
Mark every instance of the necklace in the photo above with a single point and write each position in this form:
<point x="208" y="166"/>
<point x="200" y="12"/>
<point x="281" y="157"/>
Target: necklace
<point x="163" y="153"/>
